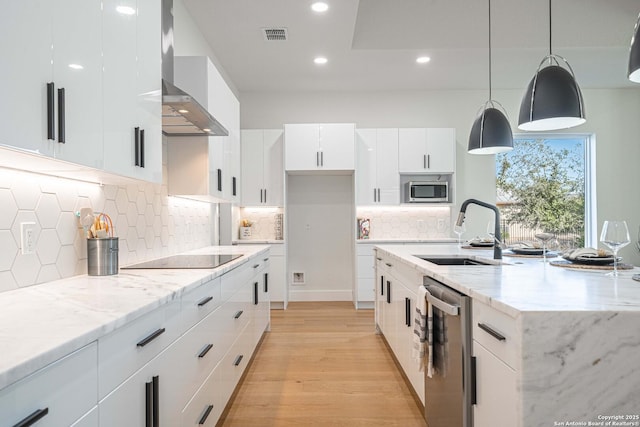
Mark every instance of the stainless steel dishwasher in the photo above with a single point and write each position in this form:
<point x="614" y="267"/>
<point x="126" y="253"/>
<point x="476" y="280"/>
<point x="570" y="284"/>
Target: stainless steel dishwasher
<point x="448" y="393"/>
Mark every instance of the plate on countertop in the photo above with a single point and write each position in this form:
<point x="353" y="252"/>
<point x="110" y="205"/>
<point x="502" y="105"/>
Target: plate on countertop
<point x="592" y="260"/>
<point x="529" y="251"/>
<point x="480" y="243"/>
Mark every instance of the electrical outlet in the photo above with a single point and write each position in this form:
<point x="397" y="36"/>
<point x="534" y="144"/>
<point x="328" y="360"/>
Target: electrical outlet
<point x="27" y="237"/>
<point x="441" y="224"/>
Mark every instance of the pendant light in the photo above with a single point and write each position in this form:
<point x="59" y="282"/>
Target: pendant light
<point x="634" y="55"/>
<point x="491" y="132"/>
<point x="553" y="99"/>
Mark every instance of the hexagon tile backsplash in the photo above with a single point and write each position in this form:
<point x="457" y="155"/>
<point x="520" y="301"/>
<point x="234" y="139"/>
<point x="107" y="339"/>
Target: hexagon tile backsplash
<point x="149" y="224"/>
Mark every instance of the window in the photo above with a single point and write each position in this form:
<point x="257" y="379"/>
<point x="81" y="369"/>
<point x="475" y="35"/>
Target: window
<point x="547" y="183"/>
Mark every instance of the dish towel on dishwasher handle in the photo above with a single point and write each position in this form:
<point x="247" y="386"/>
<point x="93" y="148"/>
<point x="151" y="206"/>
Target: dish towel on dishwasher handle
<point x="423" y="333"/>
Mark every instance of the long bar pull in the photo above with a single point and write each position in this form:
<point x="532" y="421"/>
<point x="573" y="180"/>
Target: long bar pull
<point x="205" y="350"/>
<point x="61" y="116"/>
<point x="238" y="360"/>
<point x="136" y="146"/>
<point x="148" y="407"/>
<point x="32" y="418"/>
<point x="51" y="126"/>
<point x="156" y="401"/>
<point x="233" y="186"/>
<point x="151" y="337"/>
<point x="317" y="158"/>
<point x="238" y="314"/>
<point x="265" y="195"/>
<point x="474" y="391"/>
<point x="488" y="329"/>
<point x="266" y="282"/>
<point x="407" y="311"/>
<point x="424" y="161"/>
<point x="388" y="292"/>
<point x="322" y="158"/>
<point x="141" y="148"/>
<point x="255" y="293"/>
<point x="219" y="179"/>
<point x="204" y="417"/>
<point x="382" y="285"/>
<point x="428" y="161"/>
<point x="204" y="301"/>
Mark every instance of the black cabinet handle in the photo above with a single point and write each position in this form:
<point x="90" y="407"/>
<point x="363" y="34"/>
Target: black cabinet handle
<point x="255" y="293"/>
<point x="388" y="292"/>
<point x="382" y="285"/>
<point x="474" y="392"/>
<point x="204" y="301"/>
<point x="266" y="282"/>
<point x="488" y="329"/>
<point x="407" y="311"/>
<point x="141" y="148"/>
<point x="51" y="127"/>
<point x="379" y="196"/>
<point x="428" y="161"/>
<point x="205" y="350"/>
<point x="151" y="337"/>
<point x="156" y="401"/>
<point x="233" y="186"/>
<point x="219" y="179"/>
<point x="204" y="417"/>
<point x="424" y="161"/>
<point x="317" y="158"/>
<point x="256" y="265"/>
<point x="148" y="407"/>
<point x="261" y="195"/>
<point x="238" y="360"/>
<point x="238" y="314"/>
<point x="33" y="418"/>
<point x="136" y="146"/>
<point x="322" y="158"/>
<point x="374" y="195"/>
<point x="61" y="115"/>
<point x="265" y="195"/>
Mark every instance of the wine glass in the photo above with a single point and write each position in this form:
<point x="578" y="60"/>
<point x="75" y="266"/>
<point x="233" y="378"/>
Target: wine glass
<point x="459" y="230"/>
<point x="544" y="238"/>
<point x="615" y="235"/>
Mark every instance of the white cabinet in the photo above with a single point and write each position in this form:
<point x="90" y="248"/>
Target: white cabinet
<point x="377" y="175"/>
<point x="206" y="168"/>
<point x="365" y="276"/>
<point x="277" y="277"/>
<point x="57" y="395"/>
<point x="52" y="103"/>
<point x="431" y="150"/>
<point x="319" y="147"/>
<point x="132" y="89"/>
<point x="262" y="170"/>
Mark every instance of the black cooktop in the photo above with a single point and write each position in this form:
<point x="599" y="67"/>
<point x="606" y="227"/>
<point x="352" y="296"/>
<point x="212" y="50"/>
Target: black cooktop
<point x="185" y="261"/>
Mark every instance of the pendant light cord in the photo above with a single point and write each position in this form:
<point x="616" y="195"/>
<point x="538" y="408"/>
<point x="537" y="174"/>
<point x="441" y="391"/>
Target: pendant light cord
<point x="490" y="97"/>
<point x="550" y="53"/>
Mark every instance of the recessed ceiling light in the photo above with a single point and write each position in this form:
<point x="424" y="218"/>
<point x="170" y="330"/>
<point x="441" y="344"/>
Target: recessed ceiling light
<point x="125" y="10"/>
<point x="76" y="67"/>
<point x="320" y="60"/>
<point x="320" y="6"/>
<point x="423" y="59"/>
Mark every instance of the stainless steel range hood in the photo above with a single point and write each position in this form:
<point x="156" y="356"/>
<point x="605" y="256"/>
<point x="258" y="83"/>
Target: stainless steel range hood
<point x="182" y="115"/>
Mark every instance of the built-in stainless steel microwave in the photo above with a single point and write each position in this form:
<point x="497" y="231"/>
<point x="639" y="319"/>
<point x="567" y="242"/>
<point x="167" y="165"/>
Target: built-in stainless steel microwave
<point x="427" y="191"/>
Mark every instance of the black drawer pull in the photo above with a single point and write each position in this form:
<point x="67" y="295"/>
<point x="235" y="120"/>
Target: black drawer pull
<point x="407" y="311"/>
<point x="51" y="127"/>
<point x="388" y="265"/>
<point x="204" y="301"/>
<point x="204" y="417"/>
<point x="205" y="350"/>
<point x="238" y="360"/>
<point x="382" y="285"/>
<point x="61" y="116"/>
<point x="388" y="292"/>
<point x="256" y="266"/>
<point x="148" y="405"/>
<point x="136" y="146"/>
<point x="238" y="314"/>
<point x="255" y="293"/>
<point x="151" y="337"/>
<point x="488" y="329"/>
<point x="141" y="148"/>
<point x="155" y="381"/>
<point x="33" y="418"/>
<point x="266" y="282"/>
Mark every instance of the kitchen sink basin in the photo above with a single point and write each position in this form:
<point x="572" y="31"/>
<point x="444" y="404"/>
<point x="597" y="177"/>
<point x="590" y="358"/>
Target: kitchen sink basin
<point x="456" y="260"/>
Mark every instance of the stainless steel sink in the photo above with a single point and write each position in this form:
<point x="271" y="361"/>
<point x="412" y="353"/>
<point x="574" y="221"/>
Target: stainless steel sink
<point x="449" y="260"/>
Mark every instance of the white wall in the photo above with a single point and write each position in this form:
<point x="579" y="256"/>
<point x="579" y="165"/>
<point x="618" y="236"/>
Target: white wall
<point x="320" y="236"/>
<point x="613" y="115"/>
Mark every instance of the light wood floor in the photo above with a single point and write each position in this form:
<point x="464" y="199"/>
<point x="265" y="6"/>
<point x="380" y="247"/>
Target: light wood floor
<point x="322" y="364"/>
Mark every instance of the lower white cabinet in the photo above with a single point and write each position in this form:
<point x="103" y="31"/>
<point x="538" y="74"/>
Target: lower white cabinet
<point x="57" y="395"/>
<point x="90" y="419"/>
<point x="277" y="277"/>
<point x="365" y="272"/>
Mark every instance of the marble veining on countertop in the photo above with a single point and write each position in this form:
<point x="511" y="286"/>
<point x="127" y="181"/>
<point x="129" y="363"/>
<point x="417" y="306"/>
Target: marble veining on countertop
<point x="40" y="324"/>
<point x="525" y="284"/>
<point x="398" y="241"/>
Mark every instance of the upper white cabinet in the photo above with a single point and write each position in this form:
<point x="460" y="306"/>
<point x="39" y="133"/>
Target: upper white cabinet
<point x="319" y="147"/>
<point x="377" y="176"/>
<point x="262" y="171"/>
<point x="431" y="150"/>
<point x="52" y="102"/>
<point x="132" y="89"/>
<point x="202" y="167"/>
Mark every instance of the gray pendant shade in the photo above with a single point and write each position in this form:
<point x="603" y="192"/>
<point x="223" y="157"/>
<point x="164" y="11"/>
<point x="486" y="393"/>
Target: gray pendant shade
<point x="553" y="100"/>
<point x="490" y="133"/>
<point x="634" y="55"/>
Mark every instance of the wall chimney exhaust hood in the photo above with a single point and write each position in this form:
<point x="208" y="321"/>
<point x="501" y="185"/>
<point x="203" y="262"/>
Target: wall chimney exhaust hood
<point x="182" y="115"/>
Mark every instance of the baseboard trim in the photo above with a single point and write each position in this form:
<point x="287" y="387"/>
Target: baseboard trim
<point x="320" y="295"/>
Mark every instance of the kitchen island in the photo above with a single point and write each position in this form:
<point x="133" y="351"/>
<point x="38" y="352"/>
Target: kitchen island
<point x="569" y="340"/>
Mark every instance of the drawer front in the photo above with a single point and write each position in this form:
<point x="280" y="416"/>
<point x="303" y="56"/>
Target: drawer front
<point x="234" y="280"/>
<point x="497" y="332"/>
<point x="127" y="349"/>
<point x="205" y="408"/>
<point x="234" y="363"/>
<point x="89" y="419"/>
<point x="64" y="390"/>
<point x="199" y="302"/>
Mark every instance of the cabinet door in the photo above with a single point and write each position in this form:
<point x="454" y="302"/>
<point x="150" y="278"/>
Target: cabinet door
<point x="217" y="166"/>
<point x="337" y="146"/>
<point x="412" y="154"/>
<point x="77" y="69"/>
<point x="441" y="150"/>
<point x="388" y="177"/>
<point x="496" y="403"/>
<point x="273" y="168"/>
<point x="366" y="183"/>
<point x="301" y="149"/>
<point x="23" y="104"/>
<point x="277" y="283"/>
<point x="406" y="304"/>
<point x="252" y="167"/>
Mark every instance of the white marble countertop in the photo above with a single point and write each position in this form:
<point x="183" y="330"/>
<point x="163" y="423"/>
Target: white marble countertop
<point x="525" y="284"/>
<point x="40" y="324"/>
<point x="258" y="242"/>
<point x="394" y="241"/>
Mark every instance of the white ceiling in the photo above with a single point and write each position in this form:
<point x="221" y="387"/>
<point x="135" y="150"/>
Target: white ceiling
<point x="372" y="44"/>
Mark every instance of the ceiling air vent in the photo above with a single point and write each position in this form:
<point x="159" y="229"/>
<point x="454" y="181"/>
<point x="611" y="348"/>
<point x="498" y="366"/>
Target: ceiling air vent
<point x="275" y="34"/>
